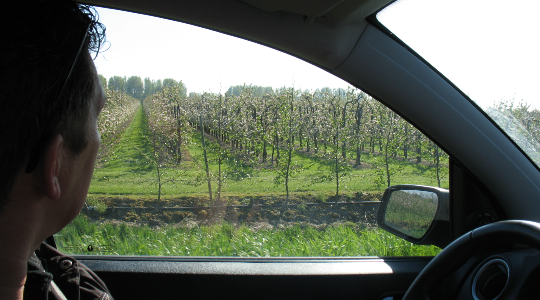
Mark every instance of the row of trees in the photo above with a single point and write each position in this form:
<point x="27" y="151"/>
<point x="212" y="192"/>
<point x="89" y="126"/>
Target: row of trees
<point x="522" y="123"/>
<point x="267" y="126"/>
<point x="114" y="118"/>
<point x="135" y="87"/>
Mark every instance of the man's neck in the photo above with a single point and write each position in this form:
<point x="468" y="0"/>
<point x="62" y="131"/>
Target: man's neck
<point x="19" y="241"/>
<point x="13" y="270"/>
<point x="11" y="293"/>
<point x="23" y="226"/>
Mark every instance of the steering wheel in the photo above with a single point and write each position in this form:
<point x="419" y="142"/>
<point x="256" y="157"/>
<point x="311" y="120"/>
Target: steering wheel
<point x="480" y="241"/>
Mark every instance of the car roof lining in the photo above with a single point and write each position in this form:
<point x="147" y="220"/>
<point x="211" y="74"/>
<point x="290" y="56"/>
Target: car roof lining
<point x="325" y="41"/>
<point x="309" y="8"/>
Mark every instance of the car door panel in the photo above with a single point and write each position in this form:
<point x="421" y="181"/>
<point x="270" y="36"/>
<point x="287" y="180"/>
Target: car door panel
<point x="262" y="278"/>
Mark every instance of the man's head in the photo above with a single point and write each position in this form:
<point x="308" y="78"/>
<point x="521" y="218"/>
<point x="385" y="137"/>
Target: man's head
<point x="47" y="81"/>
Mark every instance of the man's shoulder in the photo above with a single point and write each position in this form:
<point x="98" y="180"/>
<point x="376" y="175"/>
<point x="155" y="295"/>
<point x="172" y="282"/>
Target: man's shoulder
<point x="52" y="268"/>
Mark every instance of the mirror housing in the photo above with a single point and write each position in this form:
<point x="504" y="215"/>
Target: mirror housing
<point x="419" y="214"/>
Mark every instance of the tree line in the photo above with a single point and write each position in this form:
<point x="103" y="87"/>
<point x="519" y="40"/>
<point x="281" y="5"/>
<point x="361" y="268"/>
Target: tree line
<point x="521" y="122"/>
<point x="135" y="87"/>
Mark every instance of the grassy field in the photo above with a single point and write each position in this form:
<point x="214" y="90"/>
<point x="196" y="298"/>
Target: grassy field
<point x="226" y="239"/>
<point x="130" y="172"/>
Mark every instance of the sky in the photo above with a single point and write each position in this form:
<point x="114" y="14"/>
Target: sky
<point x="498" y="60"/>
<point x="488" y="48"/>
<point x="202" y="59"/>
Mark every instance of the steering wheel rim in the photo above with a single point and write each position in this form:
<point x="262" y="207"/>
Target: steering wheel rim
<point x="479" y="241"/>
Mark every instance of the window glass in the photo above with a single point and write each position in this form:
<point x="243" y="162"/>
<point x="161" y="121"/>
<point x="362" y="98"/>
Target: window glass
<point x="488" y="49"/>
<point x="214" y="146"/>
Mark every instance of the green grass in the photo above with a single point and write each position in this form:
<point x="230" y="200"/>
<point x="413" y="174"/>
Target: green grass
<point x="125" y="175"/>
<point x="128" y="169"/>
<point x="226" y="239"/>
<point x="130" y="172"/>
<point x="311" y="168"/>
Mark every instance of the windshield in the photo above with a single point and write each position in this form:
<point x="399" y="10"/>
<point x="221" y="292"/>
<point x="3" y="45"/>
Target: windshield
<point x="488" y="49"/>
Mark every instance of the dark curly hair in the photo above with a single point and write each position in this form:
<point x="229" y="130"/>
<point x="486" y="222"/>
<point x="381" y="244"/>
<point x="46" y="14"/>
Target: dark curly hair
<point x="46" y="80"/>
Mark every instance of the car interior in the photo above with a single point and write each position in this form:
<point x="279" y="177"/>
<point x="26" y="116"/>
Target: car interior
<point x="484" y="221"/>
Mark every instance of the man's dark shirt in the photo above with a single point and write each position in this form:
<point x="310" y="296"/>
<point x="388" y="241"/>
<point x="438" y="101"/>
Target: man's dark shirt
<point x="52" y="275"/>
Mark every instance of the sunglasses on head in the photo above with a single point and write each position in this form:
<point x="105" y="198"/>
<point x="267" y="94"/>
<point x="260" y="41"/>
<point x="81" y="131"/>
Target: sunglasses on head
<point x="38" y="148"/>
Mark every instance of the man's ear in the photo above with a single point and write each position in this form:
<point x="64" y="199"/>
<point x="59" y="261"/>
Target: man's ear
<point x="51" y="167"/>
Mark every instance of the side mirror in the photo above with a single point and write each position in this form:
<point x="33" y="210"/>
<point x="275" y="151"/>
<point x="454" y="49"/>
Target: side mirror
<point x="416" y="213"/>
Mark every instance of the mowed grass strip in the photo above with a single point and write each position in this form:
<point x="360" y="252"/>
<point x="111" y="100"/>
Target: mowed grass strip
<point x="129" y="168"/>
